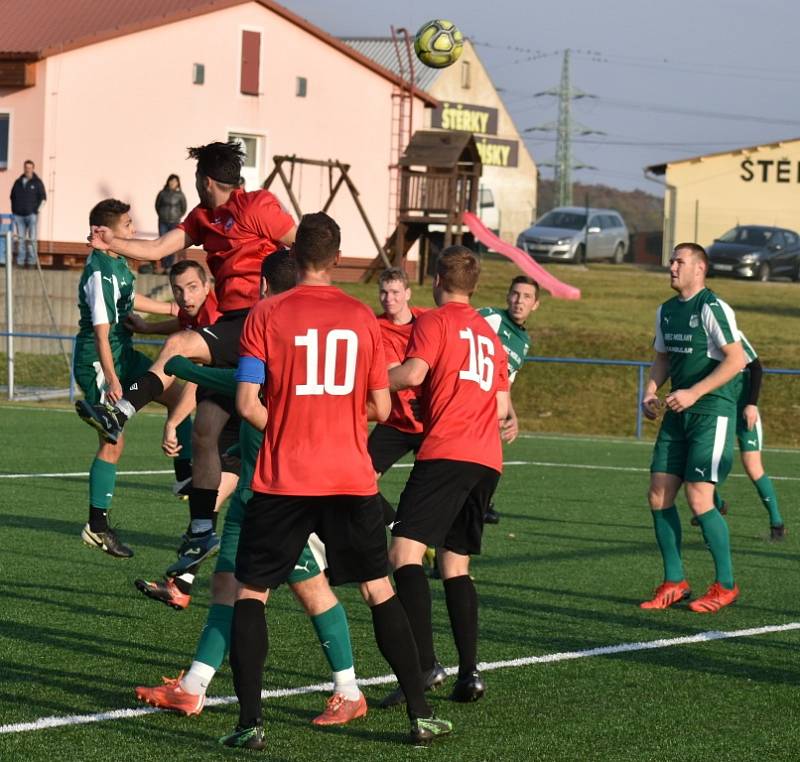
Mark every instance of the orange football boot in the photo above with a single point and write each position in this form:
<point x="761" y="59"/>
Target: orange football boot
<point x="340" y="711"/>
<point x="715" y="598"/>
<point x="171" y="696"/>
<point x="667" y="594"/>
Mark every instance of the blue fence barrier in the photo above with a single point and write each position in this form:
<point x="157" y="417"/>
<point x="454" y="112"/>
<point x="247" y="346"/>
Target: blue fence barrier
<point x="641" y="375"/>
<point x="640" y="365"/>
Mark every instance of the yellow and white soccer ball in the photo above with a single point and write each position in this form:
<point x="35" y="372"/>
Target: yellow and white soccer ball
<point x="438" y="43"/>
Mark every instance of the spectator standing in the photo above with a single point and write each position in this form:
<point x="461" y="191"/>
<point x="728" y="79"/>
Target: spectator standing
<point x="27" y="196"/>
<point x="171" y="208"/>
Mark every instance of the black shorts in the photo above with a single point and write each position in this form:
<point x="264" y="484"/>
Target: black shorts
<point x="229" y="437"/>
<point x="386" y="445"/>
<point x="222" y="338"/>
<point x="275" y="530"/>
<point x="443" y="504"/>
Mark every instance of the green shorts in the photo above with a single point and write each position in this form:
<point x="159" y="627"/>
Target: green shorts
<point x="750" y="440"/>
<point x="695" y="447"/>
<point x="308" y="566"/>
<point x="129" y="365"/>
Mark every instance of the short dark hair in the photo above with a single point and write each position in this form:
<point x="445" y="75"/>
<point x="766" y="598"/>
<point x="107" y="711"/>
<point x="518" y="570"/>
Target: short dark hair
<point x="528" y="281"/>
<point x="28" y="161"/>
<point x="458" y="269"/>
<point x="220" y="161"/>
<point x="170" y="179"/>
<point x="179" y="268"/>
<point x="317" y="241"/>
<point x="108" y="212"/>
<point x="393" y="273"/>
<point x="698" y="252"/>
<point x="280" y="270"/>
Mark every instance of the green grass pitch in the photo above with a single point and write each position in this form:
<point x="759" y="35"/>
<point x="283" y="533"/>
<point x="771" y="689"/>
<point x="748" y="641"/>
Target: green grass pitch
<point x="563" y="571"/>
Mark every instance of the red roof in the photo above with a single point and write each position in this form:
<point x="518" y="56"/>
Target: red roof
<point x="35" y="29"/>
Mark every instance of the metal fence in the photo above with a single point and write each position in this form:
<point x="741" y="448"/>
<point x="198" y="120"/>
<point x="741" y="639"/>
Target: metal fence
<point x="641" y="375"/>
<point x="41" y="392"/>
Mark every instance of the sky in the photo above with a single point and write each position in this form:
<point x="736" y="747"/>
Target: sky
<point x="671" y="79"/>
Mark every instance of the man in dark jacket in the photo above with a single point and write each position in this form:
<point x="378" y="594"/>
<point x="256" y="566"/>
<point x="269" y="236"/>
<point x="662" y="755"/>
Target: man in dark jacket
<point x="27" y="195"/>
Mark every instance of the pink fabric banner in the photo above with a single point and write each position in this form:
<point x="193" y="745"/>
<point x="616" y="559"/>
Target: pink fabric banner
<point x="522" y="260"/>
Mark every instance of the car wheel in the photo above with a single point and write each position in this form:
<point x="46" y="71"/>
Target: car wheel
<point x="763" y="272"/>
<point x="580" y="255"/>
<point x="619" y="254"/>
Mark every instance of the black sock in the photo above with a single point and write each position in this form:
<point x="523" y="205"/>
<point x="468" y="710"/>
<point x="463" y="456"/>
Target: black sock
<point x="201" y="503"/>
<point x="182" y="585"/>
<point x="462" y="606"/>
<point x="143" y="390"/>
<point x="396" y="642"/>
<point x="389" y="512"/>
<point x="249" y="644"/>
<point x="183" y="469"/>
<point x="214" y="518"/>
<point x="98" y="519"/>
<point x="415" y="595"/>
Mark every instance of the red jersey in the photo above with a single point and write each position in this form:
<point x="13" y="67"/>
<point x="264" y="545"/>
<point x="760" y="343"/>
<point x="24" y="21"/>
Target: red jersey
<point x="395" y="343"/>
<point x="323" y="353"/>
<point x="208" y="315"/>
<point x="459" y="395"/>
<point x="236" y="236"/>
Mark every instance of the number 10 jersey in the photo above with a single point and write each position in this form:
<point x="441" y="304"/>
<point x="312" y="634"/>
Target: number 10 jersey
<point x="468" y="366"/>
<point x="322" y="353"/>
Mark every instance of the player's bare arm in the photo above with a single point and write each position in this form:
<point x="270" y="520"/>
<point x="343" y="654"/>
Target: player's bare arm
<point x="114" y="390"/>
<point x="733" y="362"/>
<point x="163" y="328"/>
<point x="103" y="239"/>
<point x="659" y="372"/>
<point x="143" y="303"/>
<point x="509" y="428"/>
<point x="249" y="406"/>
<point x="379" y="405"/>
<point x="503" y="405"/>
<point x="411" y="373"/>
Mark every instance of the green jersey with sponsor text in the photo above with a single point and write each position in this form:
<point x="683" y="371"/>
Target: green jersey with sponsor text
<point x="105" y="295"/>
<point x="513" y="337"/>
<point x="692" y="334"/>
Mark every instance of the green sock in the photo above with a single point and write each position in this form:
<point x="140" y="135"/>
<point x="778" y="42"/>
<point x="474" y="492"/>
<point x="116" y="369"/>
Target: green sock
<point x="715" y="533"/>
<point x="718" y="501"/>
<point x="102" y="478"/>
<point x="334" y="635"/>
<point x="667" y="524"/>
<point x="215" y="638"/>
<point x="770" y="500"/>
<point x="184" y="433"/>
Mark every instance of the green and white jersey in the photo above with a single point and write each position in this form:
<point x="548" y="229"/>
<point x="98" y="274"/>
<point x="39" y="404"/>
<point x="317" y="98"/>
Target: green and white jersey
<point x="105" y="295"/>
<point x="513" y="337"/>
<point x="692" y="333"/>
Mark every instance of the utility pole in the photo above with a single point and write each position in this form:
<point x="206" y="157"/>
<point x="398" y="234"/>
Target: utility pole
<point x="565" y="130"/>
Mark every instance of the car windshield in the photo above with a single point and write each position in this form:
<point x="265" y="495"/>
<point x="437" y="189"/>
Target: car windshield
<point x="750" y="236"/>
<point x="567" y="220"/>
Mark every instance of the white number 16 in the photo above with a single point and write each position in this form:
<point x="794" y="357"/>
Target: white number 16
<point x="481" y="367"/>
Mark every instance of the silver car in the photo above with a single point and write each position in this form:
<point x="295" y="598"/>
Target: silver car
<point x="566" y="234"/>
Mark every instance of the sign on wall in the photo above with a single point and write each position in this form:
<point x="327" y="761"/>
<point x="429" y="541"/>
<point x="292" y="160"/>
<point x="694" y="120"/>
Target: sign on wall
<point x="770" y="171"/>
<point x="496" y="152"/>
<point x="466" y="117"/>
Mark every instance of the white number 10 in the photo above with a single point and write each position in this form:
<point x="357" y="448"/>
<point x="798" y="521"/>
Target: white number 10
<point x="481" y="367"/>
<point x="329" y="385"/>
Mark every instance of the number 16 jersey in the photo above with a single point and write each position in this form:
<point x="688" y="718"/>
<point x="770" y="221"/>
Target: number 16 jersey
<point x="322" y="353"/>
<point x="468" y="366"/>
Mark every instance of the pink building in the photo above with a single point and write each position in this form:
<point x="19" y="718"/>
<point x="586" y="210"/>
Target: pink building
<point x="105" y="96"/>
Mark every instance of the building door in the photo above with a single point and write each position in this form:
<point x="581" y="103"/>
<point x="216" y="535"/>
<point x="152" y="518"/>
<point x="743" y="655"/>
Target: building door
<point x="253" y="166"/>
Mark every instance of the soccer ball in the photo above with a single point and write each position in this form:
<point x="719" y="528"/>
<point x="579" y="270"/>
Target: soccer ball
<point x="438" y="43"/>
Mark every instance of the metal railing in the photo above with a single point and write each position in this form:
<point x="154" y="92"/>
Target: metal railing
<point x="640" y="366"/>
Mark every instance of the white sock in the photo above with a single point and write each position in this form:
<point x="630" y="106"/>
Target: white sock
<point x="126" y="408"/>
<point x="187" y="578"/>
<point x="197" y="679"/>
<point x="201" y="526"/>
<point x="344" y="682"/>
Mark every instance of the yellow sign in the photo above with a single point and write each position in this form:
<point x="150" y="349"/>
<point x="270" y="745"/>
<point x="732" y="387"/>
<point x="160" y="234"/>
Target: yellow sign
<point x="466" y="117"/>
<point x="498" y="153"/>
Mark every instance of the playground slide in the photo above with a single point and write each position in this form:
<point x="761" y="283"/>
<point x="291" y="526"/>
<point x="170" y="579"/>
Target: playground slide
<point x="530" y="267"/>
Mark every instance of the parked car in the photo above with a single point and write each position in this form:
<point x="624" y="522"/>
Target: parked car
<point x="568" y="234"/>
<point x="756" y="251"/>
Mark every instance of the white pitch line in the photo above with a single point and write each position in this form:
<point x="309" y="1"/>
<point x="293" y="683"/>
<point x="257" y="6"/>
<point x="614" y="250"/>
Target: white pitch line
<point x="43" y="723"/>
<point x="540" y="463"/>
